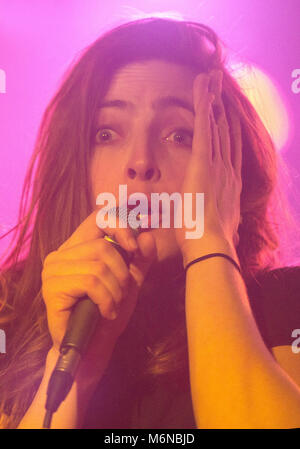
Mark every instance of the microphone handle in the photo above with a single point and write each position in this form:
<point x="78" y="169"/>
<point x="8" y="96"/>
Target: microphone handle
<point x="81" y="326"/>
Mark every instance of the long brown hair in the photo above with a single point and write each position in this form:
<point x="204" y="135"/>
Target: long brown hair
<point x="56" y="198"/>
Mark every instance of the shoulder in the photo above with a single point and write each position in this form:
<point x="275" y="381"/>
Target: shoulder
<point x="275" y="301"/>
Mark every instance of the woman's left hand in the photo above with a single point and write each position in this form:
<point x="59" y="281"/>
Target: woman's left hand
<point x="214" y="167"/>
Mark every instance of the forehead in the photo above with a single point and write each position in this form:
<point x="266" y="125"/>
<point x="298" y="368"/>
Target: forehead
<point x="156" y="83"/>
<point x="159" y="73"/>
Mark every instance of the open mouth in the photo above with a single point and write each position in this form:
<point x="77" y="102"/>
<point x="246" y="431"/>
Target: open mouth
<point x="147" y="217"/>
<point x="150" y="219"/>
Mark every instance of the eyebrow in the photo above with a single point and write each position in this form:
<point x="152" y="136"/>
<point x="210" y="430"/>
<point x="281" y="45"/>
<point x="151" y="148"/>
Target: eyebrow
<point x="160" y="103"/>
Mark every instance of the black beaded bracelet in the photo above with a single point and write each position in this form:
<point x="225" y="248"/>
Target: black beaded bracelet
<point x="208" y="256"/>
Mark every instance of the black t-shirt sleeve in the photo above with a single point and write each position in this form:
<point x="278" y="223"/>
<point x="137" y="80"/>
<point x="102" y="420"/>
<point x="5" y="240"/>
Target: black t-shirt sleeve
<point x="275" y="301"/>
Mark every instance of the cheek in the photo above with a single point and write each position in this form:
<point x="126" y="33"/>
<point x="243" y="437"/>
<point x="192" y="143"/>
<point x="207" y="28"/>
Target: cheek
<point x="104" y="171"/>
<point x="177" y="170"/>
<point x="101" y="176"/>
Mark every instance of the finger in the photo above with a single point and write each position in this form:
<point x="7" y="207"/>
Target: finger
<point x="87" y="230"/>
<point x="236" y="141"/>
<point x="223" y="128"/>
<point x="94" y="250"/>
<point x="215" y="139"/>
<point x="221" y="118"/>
<point x="96" y="268"/>
<point x="202" y="145"/>
<point x="144" y="258"/>
<point x="75" y="286"/>
<point x="125" y="236"/>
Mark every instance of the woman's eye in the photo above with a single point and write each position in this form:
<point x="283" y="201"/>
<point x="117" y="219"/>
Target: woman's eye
<point x="181" y="137"/>
<point x="103" y="135"/>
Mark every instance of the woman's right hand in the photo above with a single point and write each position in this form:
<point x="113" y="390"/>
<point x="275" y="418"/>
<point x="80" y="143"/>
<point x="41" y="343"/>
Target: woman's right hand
<point x="87" y="264"/>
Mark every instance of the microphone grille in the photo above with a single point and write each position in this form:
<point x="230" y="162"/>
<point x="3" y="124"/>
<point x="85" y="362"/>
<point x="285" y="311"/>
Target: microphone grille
<point x="124" y="215"/>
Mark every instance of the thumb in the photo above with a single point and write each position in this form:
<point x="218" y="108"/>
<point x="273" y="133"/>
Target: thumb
<point x="144" y="257"/>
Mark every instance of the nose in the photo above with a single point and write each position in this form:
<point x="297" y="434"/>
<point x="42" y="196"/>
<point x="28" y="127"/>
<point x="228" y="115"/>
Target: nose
<point x="142" y="168"/>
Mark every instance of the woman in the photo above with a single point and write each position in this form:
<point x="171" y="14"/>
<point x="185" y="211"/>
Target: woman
<point x="199" y="337"/>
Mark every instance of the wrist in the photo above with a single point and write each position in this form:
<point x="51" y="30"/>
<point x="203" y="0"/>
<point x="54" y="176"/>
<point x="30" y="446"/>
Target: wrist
<point x="209" y="243"/>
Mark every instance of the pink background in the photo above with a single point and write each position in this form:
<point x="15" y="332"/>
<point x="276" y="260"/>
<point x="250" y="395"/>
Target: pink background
<point x="39" y="39"/>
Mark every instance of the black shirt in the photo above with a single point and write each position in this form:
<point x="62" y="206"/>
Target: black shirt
<point x="275" y="302"/>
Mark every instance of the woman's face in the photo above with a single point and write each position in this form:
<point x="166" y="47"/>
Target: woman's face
<point x="145" y="142"/>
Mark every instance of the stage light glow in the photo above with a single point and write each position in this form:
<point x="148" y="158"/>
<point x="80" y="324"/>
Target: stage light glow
<point x="132" y="13"/>
<point x="266" y="99"/>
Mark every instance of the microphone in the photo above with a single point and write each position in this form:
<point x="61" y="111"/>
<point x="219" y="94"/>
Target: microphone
<point x="81" y="326"/>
